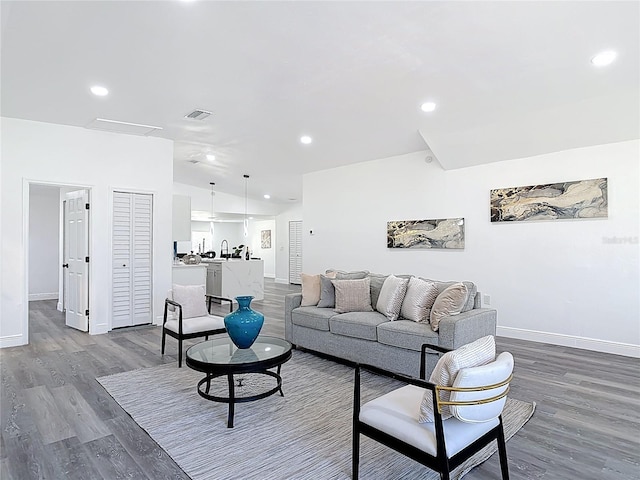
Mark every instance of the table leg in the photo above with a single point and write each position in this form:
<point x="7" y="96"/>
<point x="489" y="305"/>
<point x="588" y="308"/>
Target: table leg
<point x="281" y="392"/>
<point x="208" y="383"/>
<point x="231" y="401"/>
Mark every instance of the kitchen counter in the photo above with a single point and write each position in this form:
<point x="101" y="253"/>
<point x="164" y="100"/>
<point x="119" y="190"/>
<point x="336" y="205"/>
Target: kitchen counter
<point x="182" y="274"/>
<point x="235" y="277"/>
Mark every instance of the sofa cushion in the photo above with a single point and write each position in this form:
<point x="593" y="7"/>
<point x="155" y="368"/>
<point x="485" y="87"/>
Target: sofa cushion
<point x="376" y="281"/>
<point x="356" y="275"/>
<point x="418" y="300"/>
<point x="352" y="295"/>
<point x="450" y="302"/>
<point x="391" y="296"/>
<point x="310" y="290"/>
<point x="406" y="334"/>
<point x="312" y="317"/>
<point x="472" y="290"/>
<point x="357" y="324"/>
<point x="327" y="291"/>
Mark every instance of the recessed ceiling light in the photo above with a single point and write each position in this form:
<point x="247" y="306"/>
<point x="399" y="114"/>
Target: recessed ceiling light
<point x="267" y="196"/>
<point x="211" y="157"/>
<point x="306" y="139"/>
<point x="99" y="91"/>
<point x="604" y="58"/>
<point x="428" y="107"/>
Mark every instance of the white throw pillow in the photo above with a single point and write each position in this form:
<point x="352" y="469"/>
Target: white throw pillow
<point x="391" y="296"/>
<point x="473" y="354"/>
<point x="450" y="302"/>
<point x="310" y="290"/>
<point x="352" y="295"/>
<point x="192" y="299"/>
<point x="418" y="300"/>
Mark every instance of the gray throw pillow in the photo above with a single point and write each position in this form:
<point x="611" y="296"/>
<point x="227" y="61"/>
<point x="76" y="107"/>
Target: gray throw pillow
<point x="376" y="281"/>
<point x="327" y="293"/>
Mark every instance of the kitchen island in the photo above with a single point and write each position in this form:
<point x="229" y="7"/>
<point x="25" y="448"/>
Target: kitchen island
<point x="234" y="277"/>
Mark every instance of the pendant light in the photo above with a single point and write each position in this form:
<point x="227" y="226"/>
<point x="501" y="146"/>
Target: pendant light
<point x="246" y="200"/>
<point x="212" y="216"/>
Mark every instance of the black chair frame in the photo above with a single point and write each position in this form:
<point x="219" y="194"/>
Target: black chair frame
<point x="180" y="336"/>
<point x="440" y="463"/>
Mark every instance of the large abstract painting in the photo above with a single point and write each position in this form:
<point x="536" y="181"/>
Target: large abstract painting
<point x="439" y="233"/>
<point x="580" y="199"/>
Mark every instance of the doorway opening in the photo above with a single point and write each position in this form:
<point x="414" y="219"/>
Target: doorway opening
<point x="58" y="249"/>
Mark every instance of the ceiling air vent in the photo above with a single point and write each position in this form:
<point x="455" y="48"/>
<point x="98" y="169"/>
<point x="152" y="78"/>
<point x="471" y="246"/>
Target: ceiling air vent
<point x="198" y="115"/>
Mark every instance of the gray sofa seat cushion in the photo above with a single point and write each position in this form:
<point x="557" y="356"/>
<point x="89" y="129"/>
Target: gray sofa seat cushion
<point x="471" y="288"/>
<point x="407" y="334"/>
<point x="357" y="324"/>
<point x="312" y="317"/>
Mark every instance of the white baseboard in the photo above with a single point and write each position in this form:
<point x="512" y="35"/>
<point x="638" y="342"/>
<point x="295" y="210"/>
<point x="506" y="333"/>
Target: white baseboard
<point x="282" y="280"/>
<point x="606" y="346"/>
<point x="11" y="341"/>
<point x="269" y="275"/>
<point x="33" y="297"/>
<point x="59" y="307"/>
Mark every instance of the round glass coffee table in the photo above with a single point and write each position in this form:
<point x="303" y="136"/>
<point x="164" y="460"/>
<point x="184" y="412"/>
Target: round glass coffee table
<point x="220" y="357"/>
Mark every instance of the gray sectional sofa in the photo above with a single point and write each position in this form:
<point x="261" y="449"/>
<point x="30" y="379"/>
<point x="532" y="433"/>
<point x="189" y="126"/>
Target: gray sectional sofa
<point x="371" y="338"/>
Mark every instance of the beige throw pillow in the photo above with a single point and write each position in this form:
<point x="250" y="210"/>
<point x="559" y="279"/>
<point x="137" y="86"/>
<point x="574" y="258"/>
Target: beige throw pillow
<point x="192" y="299"/>
<point x="310" y="290"/>
<point x="352" y="295"/>
<point x="391" y="296"/>
<point x="450" y="302"/>
<point x="418" y="300"/>
<point x="473" y="354"/>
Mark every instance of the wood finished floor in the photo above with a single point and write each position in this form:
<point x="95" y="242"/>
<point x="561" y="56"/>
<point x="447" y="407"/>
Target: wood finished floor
<point x="59" y="423"/>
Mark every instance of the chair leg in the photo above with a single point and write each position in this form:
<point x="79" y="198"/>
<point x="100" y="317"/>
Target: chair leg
<point x="179" y="353"/>
<point x="502" y="451"/>
<point x="355" y="455"/>
<point x="164" y="336"/>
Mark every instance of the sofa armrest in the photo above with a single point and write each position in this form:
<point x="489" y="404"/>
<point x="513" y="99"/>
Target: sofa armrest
<point x="458" y="330"/>
<point x="291" y="301"/>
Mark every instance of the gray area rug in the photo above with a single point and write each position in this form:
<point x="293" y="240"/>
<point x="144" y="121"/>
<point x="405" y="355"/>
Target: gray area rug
<point x="304" y="435"/>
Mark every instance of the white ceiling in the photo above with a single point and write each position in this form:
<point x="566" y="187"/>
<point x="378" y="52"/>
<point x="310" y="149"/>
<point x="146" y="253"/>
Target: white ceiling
<point x="511" y="79"/>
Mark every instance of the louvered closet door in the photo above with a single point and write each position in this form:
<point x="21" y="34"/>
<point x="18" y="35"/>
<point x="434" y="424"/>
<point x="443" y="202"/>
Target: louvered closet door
<point x="295" y="252"/>
<point x="132" y="259"/>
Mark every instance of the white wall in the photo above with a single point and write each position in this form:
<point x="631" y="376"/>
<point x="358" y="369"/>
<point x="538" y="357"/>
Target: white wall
<point x="564" y="282"/>
<point x="102" y="161"/>
<point x="44" y="232"/>
<point x="294" y="213"/>
<point x="230" y="231"/>
<point x="268" y="255"/>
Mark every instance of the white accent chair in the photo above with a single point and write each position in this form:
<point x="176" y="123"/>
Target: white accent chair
<point x="183" y="326"/>
<point x="478" y="396"/>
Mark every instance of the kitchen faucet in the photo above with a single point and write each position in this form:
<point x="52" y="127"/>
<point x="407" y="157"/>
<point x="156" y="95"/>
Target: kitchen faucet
<point x="224" y="253"/>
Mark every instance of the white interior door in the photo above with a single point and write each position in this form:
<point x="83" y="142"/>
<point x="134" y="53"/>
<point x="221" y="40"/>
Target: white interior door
<point x="132" y="259"/>
<point x="76" y="260"/>
<point x="295" y="252"/>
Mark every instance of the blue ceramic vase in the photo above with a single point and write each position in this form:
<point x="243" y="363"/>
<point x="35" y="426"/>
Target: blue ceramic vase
<point x="244" y="325"/>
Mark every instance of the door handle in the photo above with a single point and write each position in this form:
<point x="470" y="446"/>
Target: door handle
<point x="65" y="265"/>
<point x="123" y="265"/>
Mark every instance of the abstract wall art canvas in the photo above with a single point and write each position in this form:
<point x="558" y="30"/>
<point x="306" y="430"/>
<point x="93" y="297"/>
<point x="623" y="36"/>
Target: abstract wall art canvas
<point x="438" y="233"/>
<point x="553" y="201"/>
<point x="265" y="239"/>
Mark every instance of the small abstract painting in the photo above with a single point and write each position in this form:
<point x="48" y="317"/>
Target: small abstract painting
<point x="553" y="201"/>
<point x="265" y="239"/>
<point x="439" y="233"/>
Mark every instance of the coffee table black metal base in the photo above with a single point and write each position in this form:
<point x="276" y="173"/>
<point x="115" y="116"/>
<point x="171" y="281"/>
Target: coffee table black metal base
<point x="218" y="357"/>
<point x="232" y="399"/>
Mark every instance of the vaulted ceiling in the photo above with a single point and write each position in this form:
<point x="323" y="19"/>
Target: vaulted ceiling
<point x="509" y="79"/>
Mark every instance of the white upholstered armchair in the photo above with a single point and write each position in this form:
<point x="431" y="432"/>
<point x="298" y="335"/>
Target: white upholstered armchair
<point x="186" y="315"/>
<point x="474" y="417"/>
